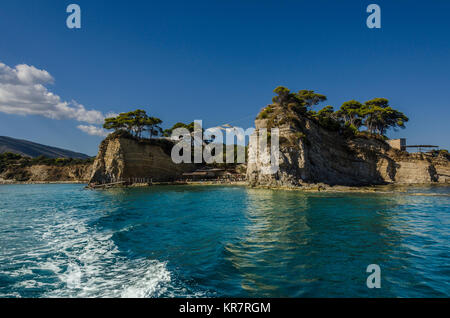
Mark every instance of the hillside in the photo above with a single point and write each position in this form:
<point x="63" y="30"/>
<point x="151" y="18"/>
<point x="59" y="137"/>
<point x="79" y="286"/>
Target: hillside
<point x="18" y="168"/>
<point x="31" y="149"/>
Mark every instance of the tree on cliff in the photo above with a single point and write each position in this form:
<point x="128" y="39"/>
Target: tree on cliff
<point x="153" y="126"/>
<point x="376" y="114"/>
<point x="379" y="116"/>
<point x="351" y="112"/>
<point x="327" y="118"/>
<point x="112" y="123"/>
<point x="289" y="100"/>
<point x="135" y="122"/>
<point x="311" y="98"/>
<point x="168" y="132"/>
<point x="298" y="102"/>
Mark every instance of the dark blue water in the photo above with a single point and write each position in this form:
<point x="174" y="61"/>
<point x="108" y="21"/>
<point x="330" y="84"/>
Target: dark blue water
<point x="209" y="241"/>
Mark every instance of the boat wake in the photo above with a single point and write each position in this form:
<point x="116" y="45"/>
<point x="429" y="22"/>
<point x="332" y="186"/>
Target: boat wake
<point x="75" y="260"/>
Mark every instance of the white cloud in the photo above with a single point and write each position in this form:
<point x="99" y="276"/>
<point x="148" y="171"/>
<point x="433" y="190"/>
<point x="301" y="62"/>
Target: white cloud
<point x="93" y="130"/>
<point x="22" y="92"/>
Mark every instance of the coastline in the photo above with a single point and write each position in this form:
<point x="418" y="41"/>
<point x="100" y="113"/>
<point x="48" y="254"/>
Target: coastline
<point x="312" y="188"/>
<point x="11" y="182"/>
<point x="387" y="188"/>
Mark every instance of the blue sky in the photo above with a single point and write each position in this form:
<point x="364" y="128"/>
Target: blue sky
<point x="219" y="61"/>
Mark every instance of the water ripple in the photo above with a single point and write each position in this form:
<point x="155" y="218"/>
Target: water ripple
<point x="62" y="241"/>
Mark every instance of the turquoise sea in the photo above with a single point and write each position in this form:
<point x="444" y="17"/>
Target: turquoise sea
<point x="229" y="241"/>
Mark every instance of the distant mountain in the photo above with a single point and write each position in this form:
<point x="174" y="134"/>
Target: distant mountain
<point x="31" y="149"/>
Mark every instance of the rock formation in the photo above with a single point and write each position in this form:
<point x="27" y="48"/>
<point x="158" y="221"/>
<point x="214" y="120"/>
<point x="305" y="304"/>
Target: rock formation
<point x="122" y="158"/>
<point x="310" y="153"/>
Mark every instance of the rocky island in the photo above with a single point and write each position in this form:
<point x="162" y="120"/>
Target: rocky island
<point x="325" y="147"/>
<point x="322" y="148"/>
<point x="125" y="158"/>
<point x="311" y="153"/>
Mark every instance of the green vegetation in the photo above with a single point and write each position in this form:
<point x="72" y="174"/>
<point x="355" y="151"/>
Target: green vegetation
<point x="133" y="125"/>
<point x="371" y="119"/>
<point x="310" y="98"/>
<point x="136" y="123"/>
<point x="168" y="132"/>
<point x="378" y="116"/>
<point x="299" y="102"/>
<point x="8" y="159"/>
<point x="266" y="112"/>
<point x="351" y="112"/>
<point x="326" y="117"/>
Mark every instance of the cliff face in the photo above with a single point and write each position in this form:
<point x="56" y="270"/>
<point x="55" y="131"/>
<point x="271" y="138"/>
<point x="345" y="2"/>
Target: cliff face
<point x="126" y="159"/>
<point x="311" y="154"/>
<point x="43" y="173"/>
